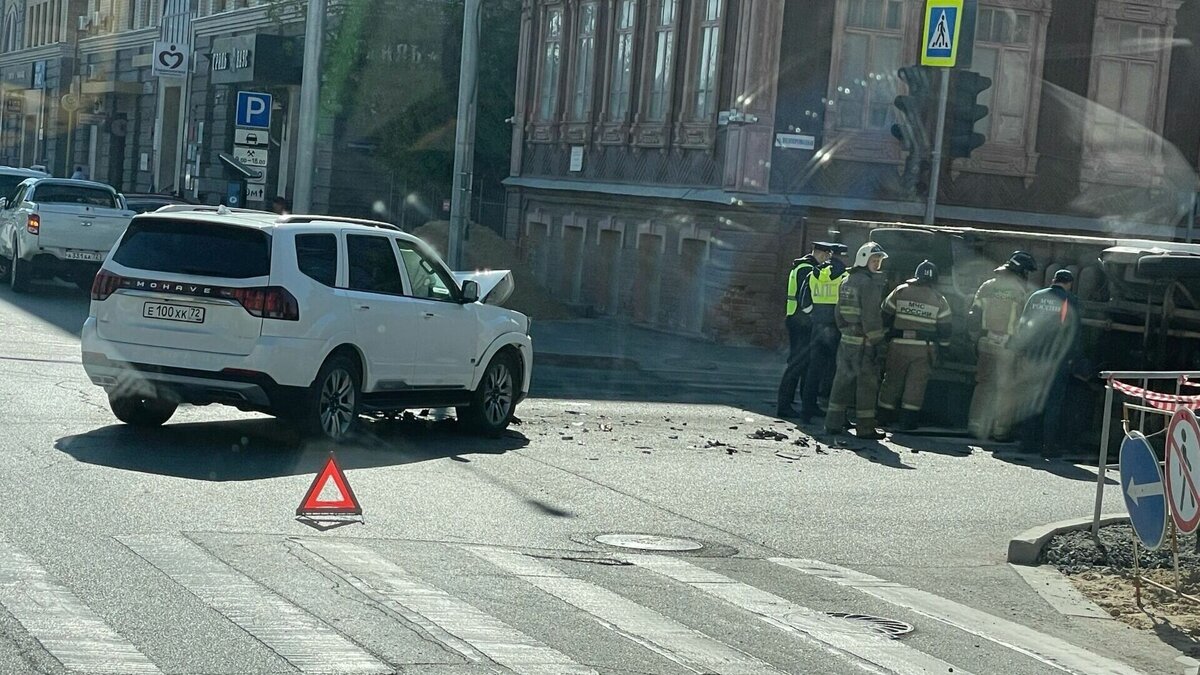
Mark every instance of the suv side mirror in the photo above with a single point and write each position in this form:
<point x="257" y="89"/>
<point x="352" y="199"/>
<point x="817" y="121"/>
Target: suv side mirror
<point x="470" y="292"/>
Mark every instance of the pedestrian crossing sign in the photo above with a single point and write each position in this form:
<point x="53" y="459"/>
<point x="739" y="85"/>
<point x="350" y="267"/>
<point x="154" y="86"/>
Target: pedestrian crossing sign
<point x="940" y="41"/>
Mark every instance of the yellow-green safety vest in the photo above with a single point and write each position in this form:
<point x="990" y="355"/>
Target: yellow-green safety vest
<point x="794" y="285"/>
<point x="824" y="287"/>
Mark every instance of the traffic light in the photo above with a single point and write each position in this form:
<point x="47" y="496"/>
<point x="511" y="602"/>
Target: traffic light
<point x="963" y="112"/>
<point x="913" y="109"/>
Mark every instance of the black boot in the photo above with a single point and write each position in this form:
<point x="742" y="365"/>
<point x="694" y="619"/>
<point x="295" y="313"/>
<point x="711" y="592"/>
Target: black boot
<point x="908" y="420"/>
<point x="886" y="417"/>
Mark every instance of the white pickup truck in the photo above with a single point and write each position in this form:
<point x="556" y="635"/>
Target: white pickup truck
<point x="56" y="227"/>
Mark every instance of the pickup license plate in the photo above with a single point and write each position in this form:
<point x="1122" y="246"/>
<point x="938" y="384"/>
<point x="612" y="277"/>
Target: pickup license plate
<point x="90" y="256"/>
<point x="188" y="313"/>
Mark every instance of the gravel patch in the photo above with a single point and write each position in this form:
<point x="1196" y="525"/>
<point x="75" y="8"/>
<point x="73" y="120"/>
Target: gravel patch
<point x="1075" y="552"/>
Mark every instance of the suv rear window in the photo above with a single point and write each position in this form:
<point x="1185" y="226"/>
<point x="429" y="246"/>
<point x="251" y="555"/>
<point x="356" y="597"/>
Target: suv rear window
<point x="197" y="249"/>
<point x="74" y="194"/>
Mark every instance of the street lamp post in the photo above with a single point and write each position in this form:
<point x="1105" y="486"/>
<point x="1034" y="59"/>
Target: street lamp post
<point x="464" y="135"/>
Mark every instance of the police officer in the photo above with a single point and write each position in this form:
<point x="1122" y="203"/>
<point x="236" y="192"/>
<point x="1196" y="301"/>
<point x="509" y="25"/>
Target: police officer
<point x="1047" y="341"/>
<point x="860" y="319"/>
<point x="918" y="320"/>
<point x="799" y="325"/>
<point x="824" y="285"/>
<point x="993" y="320"/>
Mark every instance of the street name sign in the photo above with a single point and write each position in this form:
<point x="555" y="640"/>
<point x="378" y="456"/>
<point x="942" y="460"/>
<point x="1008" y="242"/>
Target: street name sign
<point x="1142" y="487"/>
<point x="1183" y="470"/>
<point x="943" y="20"/>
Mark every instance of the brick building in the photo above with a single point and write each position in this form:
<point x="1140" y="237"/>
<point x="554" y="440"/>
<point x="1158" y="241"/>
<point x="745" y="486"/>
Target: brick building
<point x="670" y="157"/>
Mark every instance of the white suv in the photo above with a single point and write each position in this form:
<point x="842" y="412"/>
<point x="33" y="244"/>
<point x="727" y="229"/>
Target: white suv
<point x="310" y="318"/>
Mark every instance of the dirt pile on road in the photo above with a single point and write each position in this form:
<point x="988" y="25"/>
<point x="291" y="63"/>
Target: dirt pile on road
<point x="486" y="250"/>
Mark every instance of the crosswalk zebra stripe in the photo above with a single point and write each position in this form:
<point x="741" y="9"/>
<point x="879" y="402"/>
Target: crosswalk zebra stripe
<point x="665" y="636"/>
<point x="427" y="606"/>
<point x="308" y="644"/>
<point x="858" y="644"/>
<point x="1047" y="649"/>
<point x="68" y="629"/>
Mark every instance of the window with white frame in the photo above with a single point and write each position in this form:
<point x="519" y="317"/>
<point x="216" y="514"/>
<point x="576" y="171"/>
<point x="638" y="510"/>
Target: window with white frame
<point x="872" y="37"/>
<point x="1127" y="73"/>
<point x="622" y="65"/>
<point x="1004" y="40"/>
<point x="43" y="24"/>
<point x="551" y="64"/>
<point x="664" y="51"/>
<point x="707" y="58"/>
<point x="585" y="62"/>
<point x="10" y="30"/>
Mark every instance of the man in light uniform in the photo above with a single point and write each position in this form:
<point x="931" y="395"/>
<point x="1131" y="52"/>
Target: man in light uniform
<point x="994" y="317"/>
<point x="918" y="318"/>
<point x="860" y="319"/>
<point x="799" y="325"/>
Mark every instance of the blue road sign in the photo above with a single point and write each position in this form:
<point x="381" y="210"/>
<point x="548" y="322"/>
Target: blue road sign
<point x="253" y="110"/>
<point x="1142" y="486"/>
<point x="942" y="19"/>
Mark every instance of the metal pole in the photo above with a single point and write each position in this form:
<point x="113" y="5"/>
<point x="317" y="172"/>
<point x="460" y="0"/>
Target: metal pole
<point x="310" y="106"/>
<point x="464" y="134"/>
<point x="936" y="171"/>
<point x="1102" y="468"/>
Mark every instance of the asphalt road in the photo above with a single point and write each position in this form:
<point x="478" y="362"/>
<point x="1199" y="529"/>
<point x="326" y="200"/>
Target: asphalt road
<point x="178" y="551"/>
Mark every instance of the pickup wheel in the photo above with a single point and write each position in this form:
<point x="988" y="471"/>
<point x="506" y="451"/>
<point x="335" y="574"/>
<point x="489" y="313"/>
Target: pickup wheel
<point x="494" y="400"/>
<point x="19" y="274"/>
<point x="141" y="412"/>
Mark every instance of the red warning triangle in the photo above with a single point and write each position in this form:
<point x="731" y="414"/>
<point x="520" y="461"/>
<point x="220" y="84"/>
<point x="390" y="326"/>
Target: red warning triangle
<point x="330" y="493"/>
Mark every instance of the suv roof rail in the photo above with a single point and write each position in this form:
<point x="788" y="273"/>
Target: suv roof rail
<point x="339" y="219"/>
<point x="205" y="208"/>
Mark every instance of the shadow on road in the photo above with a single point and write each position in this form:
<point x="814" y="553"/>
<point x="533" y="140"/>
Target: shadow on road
<point x="266" y="448"/>
<point x="65" y="307"/>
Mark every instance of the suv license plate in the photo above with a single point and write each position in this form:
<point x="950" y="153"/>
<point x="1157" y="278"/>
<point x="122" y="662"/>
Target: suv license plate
<point x="189" y="313"/>
<point x="90" y="256"/>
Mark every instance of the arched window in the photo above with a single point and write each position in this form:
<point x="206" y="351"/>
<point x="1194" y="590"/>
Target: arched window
<point x="10" y="31"/>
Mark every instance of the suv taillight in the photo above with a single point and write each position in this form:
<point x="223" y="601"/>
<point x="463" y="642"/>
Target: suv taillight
<point x="268" y="302"/>
<point x="34" y="224"/>
<point x="105" y="284"/>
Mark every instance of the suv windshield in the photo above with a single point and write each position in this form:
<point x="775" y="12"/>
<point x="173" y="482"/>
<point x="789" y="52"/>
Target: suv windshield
<point x="195" y="249"/>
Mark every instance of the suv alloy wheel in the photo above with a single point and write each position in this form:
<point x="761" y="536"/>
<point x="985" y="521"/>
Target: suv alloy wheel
<point x="494" y="400"/>
<point x="333" y="402"/>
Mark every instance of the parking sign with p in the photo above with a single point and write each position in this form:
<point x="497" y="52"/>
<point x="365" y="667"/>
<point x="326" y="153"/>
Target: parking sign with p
<point x="253" y="110"/>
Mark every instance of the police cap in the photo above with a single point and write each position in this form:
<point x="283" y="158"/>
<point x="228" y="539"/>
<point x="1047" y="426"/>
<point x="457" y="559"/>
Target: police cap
<point x="823" y="246"/>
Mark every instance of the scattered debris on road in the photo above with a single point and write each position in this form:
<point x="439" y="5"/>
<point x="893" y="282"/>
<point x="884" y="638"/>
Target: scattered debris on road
<point x="790" y="456"/>
<point x="606" y="427"/>
<point x="768" y="435"/>
<point x="568" y="438"/>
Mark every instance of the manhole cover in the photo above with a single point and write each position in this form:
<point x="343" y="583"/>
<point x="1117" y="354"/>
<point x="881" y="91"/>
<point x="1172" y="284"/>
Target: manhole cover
<point x="888" y="627"/>
<point x="649" y="542"/>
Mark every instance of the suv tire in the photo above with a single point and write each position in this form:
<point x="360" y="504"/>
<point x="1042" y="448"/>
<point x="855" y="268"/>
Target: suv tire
<point x="330" y="407"/>
<point x="494" y="401"/>
<point x="141" y="412"/>
<point x="19" y="274"/>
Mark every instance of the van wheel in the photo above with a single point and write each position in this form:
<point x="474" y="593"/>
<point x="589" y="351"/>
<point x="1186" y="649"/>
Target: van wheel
<point x="141" y="412"/>
<point x="494" y="401"/>
<point x="19" y="273"/>
<point x="333" y="402"/>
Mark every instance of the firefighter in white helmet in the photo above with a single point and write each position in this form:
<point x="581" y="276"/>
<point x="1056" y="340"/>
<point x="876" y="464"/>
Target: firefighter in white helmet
<point x="860" y="320"/>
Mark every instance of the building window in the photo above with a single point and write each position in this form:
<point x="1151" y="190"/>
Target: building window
<point x="585" y="61"/>
<point x="43" y="23"/>
<point x="1004" y="52"/>
<point x="10" y="30"/>
<point x="551" y="65"/>
<point x="1127" y="73"/>
<point x="872" y="37"/>
<point x="664" y="50"/>
<point x="708" y="57"/>
<point x="622" y="73"/>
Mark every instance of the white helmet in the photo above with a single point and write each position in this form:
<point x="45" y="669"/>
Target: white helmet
<point x="866" y="252"/>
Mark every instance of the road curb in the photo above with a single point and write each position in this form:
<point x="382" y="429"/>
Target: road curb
<point x="1026" y="548"/>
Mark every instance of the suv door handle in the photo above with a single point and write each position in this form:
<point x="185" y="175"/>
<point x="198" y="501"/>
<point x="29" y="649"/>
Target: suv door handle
<point x="429" y="315"/>
<point x="362" y="307"/>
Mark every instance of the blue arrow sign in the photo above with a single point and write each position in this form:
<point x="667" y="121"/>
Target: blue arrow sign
<point x="1142" y="486"/>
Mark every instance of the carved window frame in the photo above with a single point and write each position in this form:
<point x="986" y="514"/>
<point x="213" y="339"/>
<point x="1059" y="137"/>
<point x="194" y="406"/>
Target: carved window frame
<point x="1012" y="159"/>
<point x="650" y="133"/>
<point x="577" y="125"/>
<point x="544" y="128"/>
<point x="858" y="144"/>
<point x="696" y="128"/>
<point x="614" y="129"/>
<point x="1148" y="168"/>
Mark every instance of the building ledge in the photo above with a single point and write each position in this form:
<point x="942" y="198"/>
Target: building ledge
<point x="891" y="209"/>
